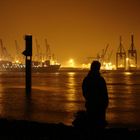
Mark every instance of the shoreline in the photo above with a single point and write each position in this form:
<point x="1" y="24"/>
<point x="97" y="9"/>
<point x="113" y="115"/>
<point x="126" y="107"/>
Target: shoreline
<point x="55" y="131"/>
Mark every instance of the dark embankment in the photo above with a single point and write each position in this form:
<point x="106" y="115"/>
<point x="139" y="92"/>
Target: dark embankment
<point x="21" y="129"/>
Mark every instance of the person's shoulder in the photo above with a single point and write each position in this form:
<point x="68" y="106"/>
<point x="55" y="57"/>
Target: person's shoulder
<point x="102" y="78"/>
<point x="86" y="78"/>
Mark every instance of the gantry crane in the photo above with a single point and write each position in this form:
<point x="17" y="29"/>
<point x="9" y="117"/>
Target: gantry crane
<point x="132" y="55"/>
<point x="4" y="55"/>
<point x="3" y="51"/>
<point x="109" y="56"/>
<point x="38" y="56"/>
<point x="18" y="54"/>
<point x="99" y="57"/>
<point x="121" y="57"/>
<point x="104" y="54"/>
<point x="48" y="50"/>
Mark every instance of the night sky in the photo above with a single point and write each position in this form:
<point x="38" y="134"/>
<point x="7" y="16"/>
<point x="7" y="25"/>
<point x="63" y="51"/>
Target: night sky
<point x="74" y="28"/>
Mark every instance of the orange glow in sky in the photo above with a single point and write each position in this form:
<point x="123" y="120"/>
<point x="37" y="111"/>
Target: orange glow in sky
<point x="73" y="28"/>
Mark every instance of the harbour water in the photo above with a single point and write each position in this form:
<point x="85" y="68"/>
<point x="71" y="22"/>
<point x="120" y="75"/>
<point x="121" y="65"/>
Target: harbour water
<point x="56" y="97"/>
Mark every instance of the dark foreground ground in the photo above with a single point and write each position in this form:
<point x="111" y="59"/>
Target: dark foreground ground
<point x="27" y="130"/>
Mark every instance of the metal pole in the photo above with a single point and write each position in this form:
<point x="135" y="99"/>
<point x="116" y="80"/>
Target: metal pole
<point x="28" y="74"/>
<point x="28" y="63"/>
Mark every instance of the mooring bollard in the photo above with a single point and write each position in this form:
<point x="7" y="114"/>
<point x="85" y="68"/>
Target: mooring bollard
<point x="28" y="63"/>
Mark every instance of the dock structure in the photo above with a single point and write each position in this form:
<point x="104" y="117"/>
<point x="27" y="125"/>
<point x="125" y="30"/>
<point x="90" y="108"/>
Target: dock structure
<point x="132" y="55"/>
<point x="121" y="57"/>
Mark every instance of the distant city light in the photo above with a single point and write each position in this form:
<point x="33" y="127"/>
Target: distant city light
<point x="108" y="66"/>
<point x="86" y="66"/>
<point x="17" y="61"/>
<point x="71" y="63"/>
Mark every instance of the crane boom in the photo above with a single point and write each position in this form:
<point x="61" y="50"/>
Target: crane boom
<point x="48" y="50"/>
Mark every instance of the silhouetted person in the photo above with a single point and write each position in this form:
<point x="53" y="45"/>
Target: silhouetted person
<point x="96" y="96"/>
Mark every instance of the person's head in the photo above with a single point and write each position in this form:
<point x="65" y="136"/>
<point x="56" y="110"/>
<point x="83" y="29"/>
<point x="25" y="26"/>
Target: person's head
<point x="95" y="66"/>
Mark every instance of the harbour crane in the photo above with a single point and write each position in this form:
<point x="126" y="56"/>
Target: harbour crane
<point x="121" y="57"/>
<point x="48" y="50"/>
<point x="110" y="55"/>
<point x="104" y="52"/>
<point x="4" y="55"/>
<point x="132" y="55"/>
<point x="18" y="54"/>
<point x="38" y="56"/>
<point x="101" y="57"/>
<point x="1" y="49"/>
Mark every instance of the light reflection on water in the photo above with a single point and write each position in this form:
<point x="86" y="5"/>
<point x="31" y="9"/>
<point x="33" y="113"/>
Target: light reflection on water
<point x="124" y="93"/>
<point x="57" y="96"/>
